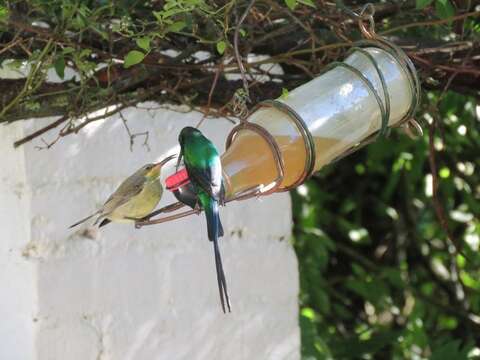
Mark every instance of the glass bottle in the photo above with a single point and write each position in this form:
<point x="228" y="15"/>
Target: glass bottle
<point x="338" y="108"/>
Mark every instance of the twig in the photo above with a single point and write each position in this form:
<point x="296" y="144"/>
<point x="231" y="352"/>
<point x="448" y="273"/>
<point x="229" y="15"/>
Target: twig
<point x="451" y="48"/>
<point x="235" y="48"/>
<point x="28" y="86"/>
<point x="48" y="145"/>
<point x="41" y="131"/>
<point x="131" y="135"/>
<point x="75" y="129"/>
<point x="10" y="45"/>
<point x="437" y="204"/>
<point x="295" y="19"/>
<point x="458" y="70"/>
<point x="431" y="22"/>
<point x="210" y="94"/>
<point x="439" y="210"/>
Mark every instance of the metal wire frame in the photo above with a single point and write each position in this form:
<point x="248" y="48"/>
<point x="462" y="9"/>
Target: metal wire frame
<point x="246" y="194"/>
<point x="261" y="190"/>
<point x="277" y="157"/>
<point x="366" y="24"/>
<point x="304" y="133"/>
<point x="411" y="126"/>
<point x="385" y="108"/>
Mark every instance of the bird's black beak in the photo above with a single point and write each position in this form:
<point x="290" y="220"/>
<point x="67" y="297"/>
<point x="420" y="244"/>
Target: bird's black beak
<point x="164" y="161"/>
<point x="179" y="160"/>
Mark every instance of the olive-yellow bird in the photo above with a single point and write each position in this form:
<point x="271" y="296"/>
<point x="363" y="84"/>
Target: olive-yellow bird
<point x="135" y="198"/>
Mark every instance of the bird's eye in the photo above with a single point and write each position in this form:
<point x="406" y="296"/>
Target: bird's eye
<point x="148" y="167"/>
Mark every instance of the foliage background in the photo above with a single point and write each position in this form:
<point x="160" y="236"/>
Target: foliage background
<point x="379" y="276"/>
<point x="388" y="252"/>
<point x="388" y="238"/>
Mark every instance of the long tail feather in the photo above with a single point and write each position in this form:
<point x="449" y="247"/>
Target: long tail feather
<point x="85" y="219"/>
<point x="220" y="228"/>
<point x="222" y="282"/>
<point x="214" y="226"/>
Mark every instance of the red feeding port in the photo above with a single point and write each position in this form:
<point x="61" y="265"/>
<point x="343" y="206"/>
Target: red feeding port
<point x="180" y="178"/>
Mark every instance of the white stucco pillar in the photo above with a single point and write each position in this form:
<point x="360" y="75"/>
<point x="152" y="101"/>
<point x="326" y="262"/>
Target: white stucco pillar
<point x="126" y="294"/>
<point x="18" y="291"/>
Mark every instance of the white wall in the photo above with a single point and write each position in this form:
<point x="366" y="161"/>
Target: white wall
<point x="122" y="293"/>
<point x="18" y="297"/>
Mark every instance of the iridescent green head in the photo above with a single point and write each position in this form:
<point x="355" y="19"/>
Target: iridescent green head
<point x="187" y="132"/>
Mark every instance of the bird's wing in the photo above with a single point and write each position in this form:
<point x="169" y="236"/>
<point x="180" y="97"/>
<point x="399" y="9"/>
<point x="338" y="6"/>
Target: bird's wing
<point x="209" y="176"/>
<point x="127" y="190"/>
<point x="200" y="177"/>
<point x="209" y="179"/>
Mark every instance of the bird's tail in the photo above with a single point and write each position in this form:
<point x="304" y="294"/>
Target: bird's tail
<point x="85" y="219"/>
<point x="104" y="222"/>
<point x="214" y="226"/>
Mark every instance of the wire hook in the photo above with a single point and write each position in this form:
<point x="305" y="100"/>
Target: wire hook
<point x="367" y="15"/>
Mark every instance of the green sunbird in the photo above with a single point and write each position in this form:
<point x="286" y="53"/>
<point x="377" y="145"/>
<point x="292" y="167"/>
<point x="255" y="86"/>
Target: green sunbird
<point x="205" y="172"/>
<point x="135" y="198"/>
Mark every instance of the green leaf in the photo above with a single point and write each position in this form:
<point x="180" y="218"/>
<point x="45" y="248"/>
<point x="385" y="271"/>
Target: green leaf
<point x="60" y="66"/>
<point x="284" y="93"/>
<point x="158" y="15"/>
<point x="15" y="64"/>
<point x="79" y="22"/>
<point x="444" y="172"/>
<point x="292" y="4"/>
<point x="308" y="3"/>
<point x="444" y="9"/>
<point x="309" y="337"/>
<point x="221" y="46"/>
<point x="394" y="277"/>
<point x="32" y="106"/>
<point x="85" y="53"/>
<point x="308" y="313"/>
<point x="451" y="349"/>
<point x="469" y="280"/>
<point x="133" y="57"/>
<point x="344" y="348"/>
<point x="3" y="13"/>
<point x="68" y="50"/>
<point x="176" y="26"/>
<point x="242" y="32"/>
<point x="144" y="43"/>
<point x="100" y="31"/>
<point x="422" y="4"/>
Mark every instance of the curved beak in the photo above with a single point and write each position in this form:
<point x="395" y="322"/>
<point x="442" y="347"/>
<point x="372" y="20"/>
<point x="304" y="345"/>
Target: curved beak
<point x="164" y="161"/>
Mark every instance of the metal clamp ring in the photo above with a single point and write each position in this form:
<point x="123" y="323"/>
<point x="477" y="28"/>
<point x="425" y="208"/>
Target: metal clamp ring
<point x="304" y="132"/>
<point x="245" y="125"/>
